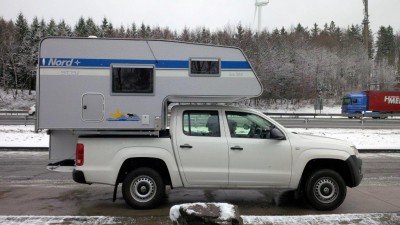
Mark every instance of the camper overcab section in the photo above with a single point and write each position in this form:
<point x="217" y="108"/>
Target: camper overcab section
<point x="115" y="85"/>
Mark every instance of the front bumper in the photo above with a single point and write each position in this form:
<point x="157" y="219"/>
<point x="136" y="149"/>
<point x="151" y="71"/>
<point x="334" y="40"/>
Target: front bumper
<point x="355" y="167"/>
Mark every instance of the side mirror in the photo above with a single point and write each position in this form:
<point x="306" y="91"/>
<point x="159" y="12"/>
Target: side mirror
<point x="276" y="134"/>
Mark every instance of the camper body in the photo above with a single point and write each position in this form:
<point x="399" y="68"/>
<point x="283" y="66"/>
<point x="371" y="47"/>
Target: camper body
<point x="105" y="103"/>
<point x="109" y="85"/>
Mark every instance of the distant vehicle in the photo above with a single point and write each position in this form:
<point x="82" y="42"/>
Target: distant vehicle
<point x="379" y="104"/>
<point x="32" y="110"/>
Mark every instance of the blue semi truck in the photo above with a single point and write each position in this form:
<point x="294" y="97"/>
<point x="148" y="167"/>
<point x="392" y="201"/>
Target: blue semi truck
<point x="378" y="104"/>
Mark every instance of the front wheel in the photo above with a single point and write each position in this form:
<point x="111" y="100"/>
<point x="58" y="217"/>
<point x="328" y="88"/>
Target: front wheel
<point x="325" y="190"/>
<point x="143" y="188"/>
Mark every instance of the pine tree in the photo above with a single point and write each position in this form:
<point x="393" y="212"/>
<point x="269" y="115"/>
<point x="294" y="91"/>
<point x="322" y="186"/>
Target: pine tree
<point x="185" y="36"/>
<point x="91" y="27"/>
<point x="315" y="31"/>
<point x="143" y="32"/>
<point x="385" y="45"/>
<point x="80" y="28"/>
<point x="43" y="29"/>
<point x="52" y="28"/>
<point x="103" y="27"/>
<point x="63" y="29"/>
<point x="19" y="61"/>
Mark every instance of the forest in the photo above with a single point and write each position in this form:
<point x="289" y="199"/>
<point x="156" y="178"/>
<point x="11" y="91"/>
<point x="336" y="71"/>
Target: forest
<point x="294" y="64"/>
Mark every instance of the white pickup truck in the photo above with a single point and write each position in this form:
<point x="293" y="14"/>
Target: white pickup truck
<point x="219" y="147"/>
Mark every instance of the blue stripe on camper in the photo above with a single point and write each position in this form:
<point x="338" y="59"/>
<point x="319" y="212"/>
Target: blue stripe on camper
<point x="162" y="64"/>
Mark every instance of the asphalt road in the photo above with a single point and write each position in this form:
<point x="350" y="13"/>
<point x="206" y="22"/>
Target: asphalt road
<point x="27" y="188"/>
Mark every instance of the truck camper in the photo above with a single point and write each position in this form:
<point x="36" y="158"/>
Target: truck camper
<point x="105" y="103"/>
<point x="88" y="85"/>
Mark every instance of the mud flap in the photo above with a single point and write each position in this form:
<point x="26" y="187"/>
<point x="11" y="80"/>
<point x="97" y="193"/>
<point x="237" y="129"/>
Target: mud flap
<point x="115" y="192"/>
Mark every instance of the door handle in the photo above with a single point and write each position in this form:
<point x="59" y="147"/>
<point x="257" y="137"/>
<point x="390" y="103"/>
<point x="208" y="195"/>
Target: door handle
<point x="237" y="148"/>
<point x="186" y="146"/>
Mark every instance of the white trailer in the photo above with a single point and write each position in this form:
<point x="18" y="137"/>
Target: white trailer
<point x="96" y="85"/>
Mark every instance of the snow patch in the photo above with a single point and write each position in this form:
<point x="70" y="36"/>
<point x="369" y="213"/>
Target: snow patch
<point x="226" y="210"/>
<point x="22" y="136"/>
<point x="334" y="219"/>
<point x="362" y="139"/>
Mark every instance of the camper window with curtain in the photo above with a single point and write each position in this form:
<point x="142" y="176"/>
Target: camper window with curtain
<point x="205" y="67"/>
<point x="132" y="80"/>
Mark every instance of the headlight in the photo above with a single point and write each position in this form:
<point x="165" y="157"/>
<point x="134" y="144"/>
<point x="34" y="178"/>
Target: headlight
<point x="355" y="150"/>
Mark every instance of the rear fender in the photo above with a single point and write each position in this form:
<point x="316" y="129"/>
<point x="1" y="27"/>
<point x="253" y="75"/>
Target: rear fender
<point x="147" y="152"/>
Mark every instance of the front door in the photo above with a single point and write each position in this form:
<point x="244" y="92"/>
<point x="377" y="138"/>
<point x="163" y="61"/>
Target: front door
<point x="257" y="158"/>
<point x="202" y="148"/>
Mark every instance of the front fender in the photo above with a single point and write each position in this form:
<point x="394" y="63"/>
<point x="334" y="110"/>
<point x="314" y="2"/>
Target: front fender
<point x="301" y="159"/>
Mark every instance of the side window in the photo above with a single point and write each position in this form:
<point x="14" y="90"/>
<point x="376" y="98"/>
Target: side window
<point x="247" y="125"/>
<point x="201" y="123"/>
<point x="205" y="67"/>
<point x="132" y="80"/>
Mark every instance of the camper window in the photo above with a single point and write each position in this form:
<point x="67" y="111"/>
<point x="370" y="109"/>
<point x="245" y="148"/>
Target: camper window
<point x="132" y="80"/>
<point x="205" y="67"/>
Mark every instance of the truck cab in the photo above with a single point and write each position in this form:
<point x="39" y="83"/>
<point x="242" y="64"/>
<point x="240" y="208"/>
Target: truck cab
<point x="354" y="103"/>
<point x="220" y="147"/>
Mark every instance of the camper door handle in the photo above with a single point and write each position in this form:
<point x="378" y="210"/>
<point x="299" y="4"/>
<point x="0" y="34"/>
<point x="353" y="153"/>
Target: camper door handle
<point x="186" y="146"/>
<point x="85" y="107"/>
<point x="237" y="148"/>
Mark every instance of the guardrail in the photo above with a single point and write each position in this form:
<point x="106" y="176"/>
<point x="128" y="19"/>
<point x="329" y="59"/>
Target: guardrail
<point x="16" y="117"/>
<point x="13" y="112"/>
<point x="290" y="120"/>
<point x="332" y="115"/>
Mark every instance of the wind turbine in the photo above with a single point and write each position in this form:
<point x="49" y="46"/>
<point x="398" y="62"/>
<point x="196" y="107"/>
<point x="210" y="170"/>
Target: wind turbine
<point x="259" y="4"/>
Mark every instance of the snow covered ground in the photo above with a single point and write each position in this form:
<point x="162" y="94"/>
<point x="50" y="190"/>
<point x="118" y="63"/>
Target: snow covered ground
<point x="24" y="136"/>
<point x="333" y="219"/>
<point x="22" y="101"/>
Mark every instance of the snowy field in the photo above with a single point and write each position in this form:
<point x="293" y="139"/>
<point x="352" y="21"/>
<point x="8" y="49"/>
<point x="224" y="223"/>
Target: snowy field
<point x="24" y="136"/>
<point x="22" y="101"/>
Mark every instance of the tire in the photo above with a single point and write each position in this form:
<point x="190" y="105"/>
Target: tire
<point x="143" y="188"/>
<point x="325" y="190"/>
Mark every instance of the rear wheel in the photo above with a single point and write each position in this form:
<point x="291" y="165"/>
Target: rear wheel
<point x="143" y="188"/>
<point x="325" y="190"/>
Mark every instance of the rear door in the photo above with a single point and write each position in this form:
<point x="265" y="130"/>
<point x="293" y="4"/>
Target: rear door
<point x="202" y="147"/>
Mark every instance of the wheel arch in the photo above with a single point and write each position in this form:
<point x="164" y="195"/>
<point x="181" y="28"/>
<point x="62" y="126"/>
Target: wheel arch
<point x="156" y="164"/>
<point x="337" y="165"/>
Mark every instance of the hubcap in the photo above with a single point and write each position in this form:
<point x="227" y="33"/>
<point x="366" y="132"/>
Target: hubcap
<point x="143" y="189"/>
<point x="326" y="190"/>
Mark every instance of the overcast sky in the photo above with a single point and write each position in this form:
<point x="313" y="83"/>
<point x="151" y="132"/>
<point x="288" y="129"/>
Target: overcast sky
<point x="214" y="14"/>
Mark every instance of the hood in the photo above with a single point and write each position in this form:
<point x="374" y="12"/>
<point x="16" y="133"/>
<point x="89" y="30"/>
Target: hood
<point x="324" y="142"/>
